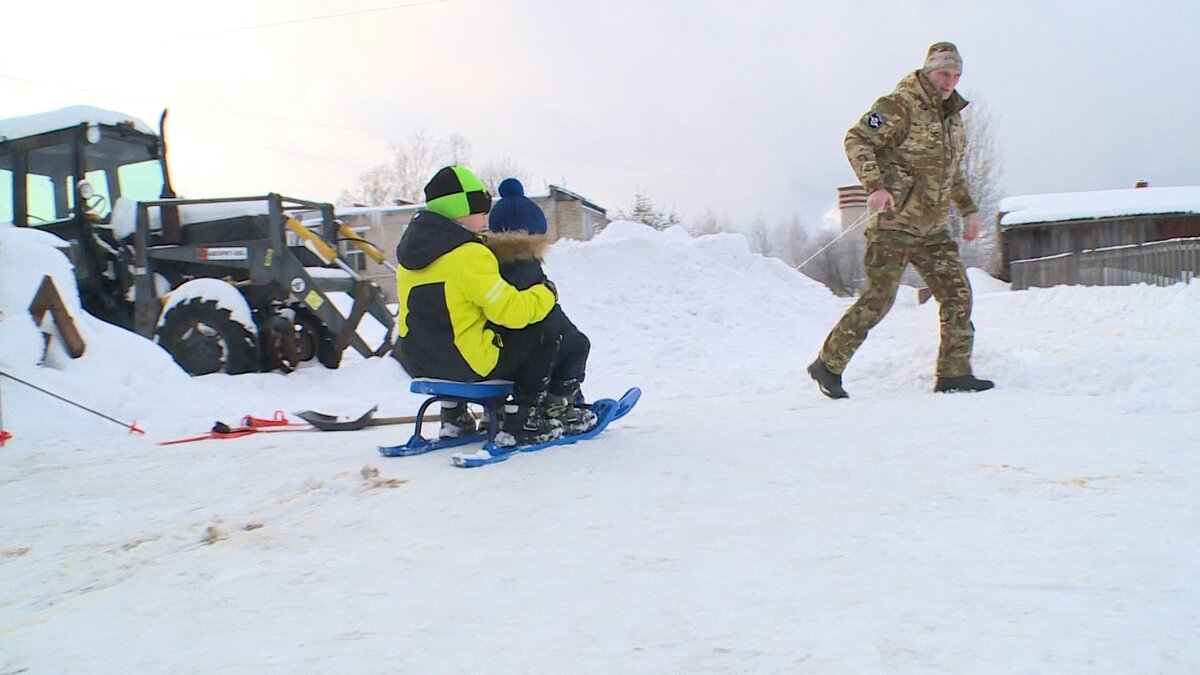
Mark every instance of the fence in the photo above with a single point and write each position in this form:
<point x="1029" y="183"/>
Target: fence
<point x="1161" y="263"/>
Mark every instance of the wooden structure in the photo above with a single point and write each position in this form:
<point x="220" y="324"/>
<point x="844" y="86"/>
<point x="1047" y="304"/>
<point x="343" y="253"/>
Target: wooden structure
<point x="1109" y="237"/>
<point x="47" y="299"/>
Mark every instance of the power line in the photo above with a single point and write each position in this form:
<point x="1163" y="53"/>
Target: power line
<point x="197" y="106"/>
<point x="291" y="22"/>
<point x="240" y="142"/>
<point x="374" y="132"/>
<point x="370" y="132"/>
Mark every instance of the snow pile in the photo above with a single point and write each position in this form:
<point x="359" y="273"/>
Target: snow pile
<point x="26" y="256"/>
<point x="736" y="521"/>
<point x="681" y="304"/>
<point x="119" y="372"/>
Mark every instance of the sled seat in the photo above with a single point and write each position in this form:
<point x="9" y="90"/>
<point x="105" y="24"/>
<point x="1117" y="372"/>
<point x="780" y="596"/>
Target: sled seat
<point x="484" y="393"/>
<point x="466" y="391"/>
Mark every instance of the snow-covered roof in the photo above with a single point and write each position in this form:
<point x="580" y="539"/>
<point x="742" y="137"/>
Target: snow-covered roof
<point x="1050" y="208"/>
<point x="367" y="210"/>
<point x="65" y="118"/>
<point x="587" y="202"/>
<point x="405" y="208"/>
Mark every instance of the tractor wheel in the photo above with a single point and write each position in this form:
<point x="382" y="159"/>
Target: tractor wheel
<point x="205" y="339"/>
<point x="317" y="338"/>
<point x="299" y="340"/>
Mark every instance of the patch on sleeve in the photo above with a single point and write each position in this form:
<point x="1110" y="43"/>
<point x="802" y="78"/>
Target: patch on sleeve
<point x="875" y="120"/>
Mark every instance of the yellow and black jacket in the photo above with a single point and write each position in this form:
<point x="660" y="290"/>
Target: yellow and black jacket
<point x="450" y="289"/>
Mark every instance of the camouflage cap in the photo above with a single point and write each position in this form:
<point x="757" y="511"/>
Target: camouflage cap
<point x="942" y="55"/>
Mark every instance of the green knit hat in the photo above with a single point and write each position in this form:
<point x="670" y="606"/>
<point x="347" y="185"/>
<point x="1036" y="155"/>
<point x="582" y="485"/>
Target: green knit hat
<point x="455" y="192"/>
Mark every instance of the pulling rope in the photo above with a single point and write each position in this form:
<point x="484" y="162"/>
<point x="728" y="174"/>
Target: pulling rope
<point x="854" y="226"/>
<point x="133" y="428"/>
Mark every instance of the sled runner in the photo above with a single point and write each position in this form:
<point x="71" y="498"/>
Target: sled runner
<point x="606" y="409"/>
<point x="490" y="394"/>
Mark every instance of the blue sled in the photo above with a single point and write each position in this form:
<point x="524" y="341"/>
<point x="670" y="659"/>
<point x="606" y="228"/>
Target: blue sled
<point x="606" y="409"/>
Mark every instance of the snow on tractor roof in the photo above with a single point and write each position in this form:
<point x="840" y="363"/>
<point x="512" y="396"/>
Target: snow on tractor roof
<point x="65" y="118"/>
<point x="1052" y="208"/>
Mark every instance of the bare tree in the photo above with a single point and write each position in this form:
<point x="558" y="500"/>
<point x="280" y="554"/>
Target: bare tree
<point x="709" y="223"/>
<point x="830" y="266"/>
<point x="414" y="162"/>
<point x="493" y="172"/>
<point x="375" y="186"/>
<point x="794" y="246"/>
<point x="983" y="169"/>
<point x="458" y="149"/>
<point x="758" y="236"/>
<point x="410" y="165"/>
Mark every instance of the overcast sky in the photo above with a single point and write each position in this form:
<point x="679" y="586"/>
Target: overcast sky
<point x="738" y="108"/>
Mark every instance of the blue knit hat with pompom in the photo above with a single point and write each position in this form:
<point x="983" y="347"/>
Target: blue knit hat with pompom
<point x="515" y="212"/>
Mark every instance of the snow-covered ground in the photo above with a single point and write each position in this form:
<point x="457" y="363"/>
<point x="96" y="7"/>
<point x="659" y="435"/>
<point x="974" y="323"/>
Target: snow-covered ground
<point x="736" y="521"/>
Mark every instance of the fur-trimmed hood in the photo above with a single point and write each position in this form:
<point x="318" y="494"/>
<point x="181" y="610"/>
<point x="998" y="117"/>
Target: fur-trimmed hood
<point x="512" y="247"/>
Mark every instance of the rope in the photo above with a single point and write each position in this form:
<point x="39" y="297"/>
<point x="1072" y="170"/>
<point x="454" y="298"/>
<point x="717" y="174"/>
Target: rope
<point x="132" y="427"/>
<point x="854" y="226"/>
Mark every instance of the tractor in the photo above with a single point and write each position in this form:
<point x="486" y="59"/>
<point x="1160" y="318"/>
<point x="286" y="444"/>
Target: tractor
<point x="233" y="284"/>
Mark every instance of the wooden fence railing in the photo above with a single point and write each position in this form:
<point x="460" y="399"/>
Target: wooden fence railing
<point x="1161" y="263"/>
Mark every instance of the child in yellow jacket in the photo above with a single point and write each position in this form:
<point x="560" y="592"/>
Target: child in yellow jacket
<point x="460" y="320"/>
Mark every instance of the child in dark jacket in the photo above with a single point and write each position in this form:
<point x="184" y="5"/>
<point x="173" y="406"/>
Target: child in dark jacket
<point x="518" y="238"/>
<point x="460" y="320"/>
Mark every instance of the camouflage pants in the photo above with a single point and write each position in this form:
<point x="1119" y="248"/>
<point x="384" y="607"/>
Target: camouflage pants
<point x="936" y="259"/>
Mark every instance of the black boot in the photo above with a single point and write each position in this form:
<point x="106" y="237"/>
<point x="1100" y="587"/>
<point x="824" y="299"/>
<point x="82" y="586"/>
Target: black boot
<point x="457" y="420"/>
<point x="527" y="424"/>
<point x="965" y="383"/>
<point x="829" y="382"/>
<point x="569" y="409"/>
<point x="496" y="404"/>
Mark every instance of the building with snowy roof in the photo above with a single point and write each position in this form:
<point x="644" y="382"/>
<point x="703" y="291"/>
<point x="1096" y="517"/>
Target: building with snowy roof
<point x="1102" y="238"/>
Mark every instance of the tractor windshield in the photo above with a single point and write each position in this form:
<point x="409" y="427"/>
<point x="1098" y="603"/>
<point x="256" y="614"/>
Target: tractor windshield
<point x="118" y="162"/>
<point x="122" y="165"/>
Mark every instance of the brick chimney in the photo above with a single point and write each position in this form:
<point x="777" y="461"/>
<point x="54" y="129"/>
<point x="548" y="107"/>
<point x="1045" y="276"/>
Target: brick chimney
<point x="852" y="204"/>
<point x="1141" y="184"/>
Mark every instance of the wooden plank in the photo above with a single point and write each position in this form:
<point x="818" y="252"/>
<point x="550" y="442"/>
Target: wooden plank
<point x="47" y="299"/>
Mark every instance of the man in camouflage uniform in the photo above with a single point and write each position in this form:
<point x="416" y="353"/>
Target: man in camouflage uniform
<point x="906" y="152"/>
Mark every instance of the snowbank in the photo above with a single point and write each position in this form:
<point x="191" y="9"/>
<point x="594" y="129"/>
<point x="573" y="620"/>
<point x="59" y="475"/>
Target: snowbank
<point x="736" y="521"/>
<point x="120" y="372"/>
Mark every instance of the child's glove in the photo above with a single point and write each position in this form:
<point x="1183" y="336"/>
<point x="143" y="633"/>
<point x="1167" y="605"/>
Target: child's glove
<point x="550" y="284"/>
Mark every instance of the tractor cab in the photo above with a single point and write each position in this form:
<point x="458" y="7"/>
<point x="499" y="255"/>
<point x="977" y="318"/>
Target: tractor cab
<point x="63" y="171"/>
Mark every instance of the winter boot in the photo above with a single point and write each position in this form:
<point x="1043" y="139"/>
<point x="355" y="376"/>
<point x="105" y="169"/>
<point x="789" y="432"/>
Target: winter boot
<point x="965" y="383"/>
<point x="496" y="404"/>
<point x="569" y="409"/>
<point x="527" y="424"/>
<point x="457" y="420"/>
<point x="829" y="381"/>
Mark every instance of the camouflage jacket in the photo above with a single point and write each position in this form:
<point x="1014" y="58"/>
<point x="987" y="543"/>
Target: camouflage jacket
<point x="911" y="143"/>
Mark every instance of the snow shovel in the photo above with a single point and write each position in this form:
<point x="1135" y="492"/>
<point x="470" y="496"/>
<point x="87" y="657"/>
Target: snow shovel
<point x="324" y="422"/>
